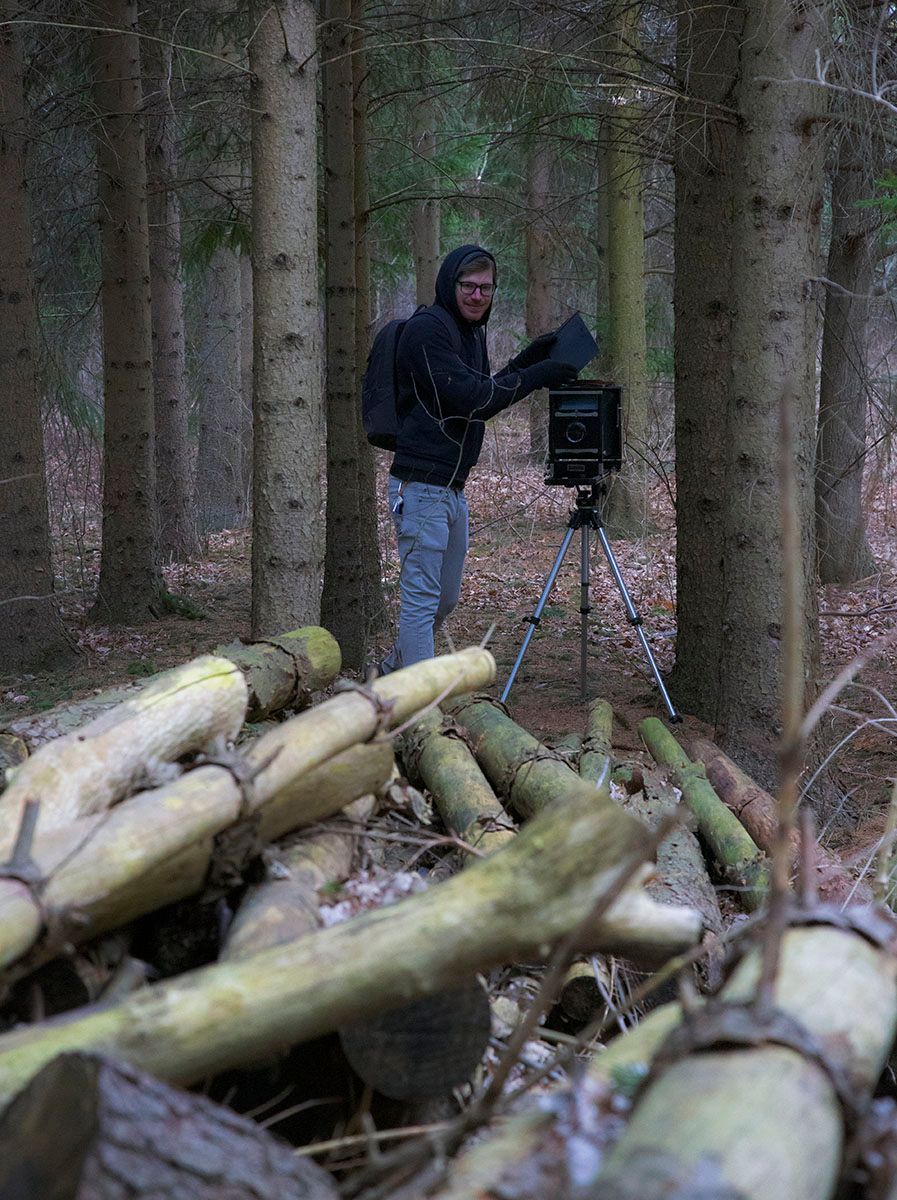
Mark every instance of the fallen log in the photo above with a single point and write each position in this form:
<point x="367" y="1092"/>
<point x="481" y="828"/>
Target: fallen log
<point x="568" y="746"/>
<point x="191" y="708"/>
<point x="585" y="990"/>
<point x="513" y="905"/>
<point x="737" y="856"/>
<point x="758" y="1115"/>
<point x="441" y="760"/>
<point x="87" y="1127"/>
<point x="183" y="819"/>
<point x="596" y="762"/>
<point x="757" y="812"/>
<point x="280" y="672"/>
<point x="681" y="870"/>
<point x="518" y="766"/>
<point x="160" y="846"/>
<point x="287" y="905"/>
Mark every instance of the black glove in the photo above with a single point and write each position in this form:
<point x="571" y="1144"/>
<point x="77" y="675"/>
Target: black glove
<point x="537" y="351"/>
<point x="547" y="374"/>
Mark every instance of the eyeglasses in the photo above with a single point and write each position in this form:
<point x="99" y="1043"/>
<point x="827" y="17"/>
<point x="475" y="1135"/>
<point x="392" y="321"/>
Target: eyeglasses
<point x="468" y="288"/>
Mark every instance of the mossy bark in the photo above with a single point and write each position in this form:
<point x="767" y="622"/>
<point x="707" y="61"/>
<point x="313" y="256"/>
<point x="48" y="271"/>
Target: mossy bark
<point x="501" y="745"/>
<point x="595" y="761"/>
<point x="513" y="905"/>
<point x="184" y="710"/>
<point x="463" y="796"/>
<point x="735" y="853"/>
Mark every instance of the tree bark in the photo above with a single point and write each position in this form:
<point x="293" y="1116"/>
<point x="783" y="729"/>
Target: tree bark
<point x="368" y="498"/>
<point x="707" y="44"/>
<point x="540" y="309"/>
<point x="287" y="409"/>
<point x="627" y="502"/>
<point x="88" y="1127"/>
<point x="595" y="761"/>
<point x="843" y="552"/>
<point x="342" y="601"/>
<point x="130" y="586"/>
<point x="556" y="872"/>
<point x="778" y="204"/>
<point x="31" y="633"/>
<point x="178" y="529"/>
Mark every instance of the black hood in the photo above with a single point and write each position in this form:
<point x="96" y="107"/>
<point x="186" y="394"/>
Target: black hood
<point x="452" y="266"/>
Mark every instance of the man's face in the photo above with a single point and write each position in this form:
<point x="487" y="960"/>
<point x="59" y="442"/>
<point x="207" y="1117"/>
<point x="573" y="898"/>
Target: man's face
<point x="473" y="307"/>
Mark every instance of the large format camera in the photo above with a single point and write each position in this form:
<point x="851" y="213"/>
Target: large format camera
<point x="585" y="434"/>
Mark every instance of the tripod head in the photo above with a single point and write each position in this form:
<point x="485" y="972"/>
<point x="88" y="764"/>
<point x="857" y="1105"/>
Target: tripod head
<point x="591" y="496"/>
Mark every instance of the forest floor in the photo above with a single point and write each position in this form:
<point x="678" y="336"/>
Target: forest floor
<point x="517" y="525"/>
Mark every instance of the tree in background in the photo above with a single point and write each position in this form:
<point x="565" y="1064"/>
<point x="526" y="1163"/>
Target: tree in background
<point x="130" y="587"/>
<point x="178" y="526"/>
<point x="287" y="407"/>
<point x="844" y="554"/>
<point x="343" y="599"/>
<point x="30" y="632"/>
<point x="708" y="40"/>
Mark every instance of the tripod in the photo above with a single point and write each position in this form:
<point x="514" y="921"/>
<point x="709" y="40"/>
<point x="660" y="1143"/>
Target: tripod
<point x="585" y="516"/>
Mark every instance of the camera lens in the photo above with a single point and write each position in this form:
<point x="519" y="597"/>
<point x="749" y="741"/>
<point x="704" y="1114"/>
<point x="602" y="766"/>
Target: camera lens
<point x="575" y="432"/>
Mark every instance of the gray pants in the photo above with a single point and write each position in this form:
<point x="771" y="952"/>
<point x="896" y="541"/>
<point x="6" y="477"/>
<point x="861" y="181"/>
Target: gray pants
<point x="432" y="530"/>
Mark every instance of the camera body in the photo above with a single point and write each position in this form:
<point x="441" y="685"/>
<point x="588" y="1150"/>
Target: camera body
<point x="585" y="432"/>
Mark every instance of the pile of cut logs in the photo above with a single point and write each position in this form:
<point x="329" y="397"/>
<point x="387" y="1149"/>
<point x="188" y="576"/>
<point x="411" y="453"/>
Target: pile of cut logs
<point x="240" y="955"/>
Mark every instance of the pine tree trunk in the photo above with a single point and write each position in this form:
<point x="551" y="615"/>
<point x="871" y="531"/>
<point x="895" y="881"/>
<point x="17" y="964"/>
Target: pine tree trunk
<point x="368" y="497"/>
<point x="178" y="530"/>
<point x="844" y="554"/>
<point x="342" y="601"/>
<point x="627" y="503"/>
<point x="778" y="204"/>
<point x="707" y="58"/>
<point x="130" y="584"/>
<point x="287" y="411"/>
<point x="30" y="630"/>
<point x="537" y="249"/>
<point x="219" y="467"/>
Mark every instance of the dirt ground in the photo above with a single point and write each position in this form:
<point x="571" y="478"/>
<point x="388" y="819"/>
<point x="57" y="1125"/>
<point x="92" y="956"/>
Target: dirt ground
<point x="517" y="525"/>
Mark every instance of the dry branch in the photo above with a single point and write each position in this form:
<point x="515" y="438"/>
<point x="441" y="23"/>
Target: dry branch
<point x="513" y="905"/>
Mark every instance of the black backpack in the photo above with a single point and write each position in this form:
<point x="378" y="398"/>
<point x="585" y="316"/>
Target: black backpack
<point x="379" y="388"/>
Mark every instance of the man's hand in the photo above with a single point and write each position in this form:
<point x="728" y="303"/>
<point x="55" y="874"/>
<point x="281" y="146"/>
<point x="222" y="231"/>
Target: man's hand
<point x="537" y="351"/>
<point x="547" y="374"/>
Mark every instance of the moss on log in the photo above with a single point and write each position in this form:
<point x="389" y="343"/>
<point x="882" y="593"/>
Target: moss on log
<point x="188" y="709"/>
<point x="513" y="905"/>
<point x="517" y="765"/>
<point x="280" y="673"/>
<point x="714" y="1119"/>
<point x="757" y="811"/>
<point x="462" y="794"/>
<point x="736" y="854"/>
<point x="596" y="762"/>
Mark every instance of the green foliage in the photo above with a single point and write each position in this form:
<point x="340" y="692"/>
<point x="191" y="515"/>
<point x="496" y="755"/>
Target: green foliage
<point x="216" y="233"/>
<point x="140" y="667"/>
<point x="180" y="606"/>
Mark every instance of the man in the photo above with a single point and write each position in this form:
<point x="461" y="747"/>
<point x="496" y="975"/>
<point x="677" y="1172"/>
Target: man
<point x="445" y="396"/>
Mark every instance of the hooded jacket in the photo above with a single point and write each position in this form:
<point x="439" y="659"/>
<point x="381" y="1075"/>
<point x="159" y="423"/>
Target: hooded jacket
<point x="446" y="398"/>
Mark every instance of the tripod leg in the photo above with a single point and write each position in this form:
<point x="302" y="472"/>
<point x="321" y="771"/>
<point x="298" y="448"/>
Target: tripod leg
<point x="537" y="613"/>
<point x="584" y="609"/>
<point x="636" y="621"/>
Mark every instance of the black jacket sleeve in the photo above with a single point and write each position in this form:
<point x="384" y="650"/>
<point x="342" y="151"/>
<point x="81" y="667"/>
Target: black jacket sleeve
<point x="452" y="388"/>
